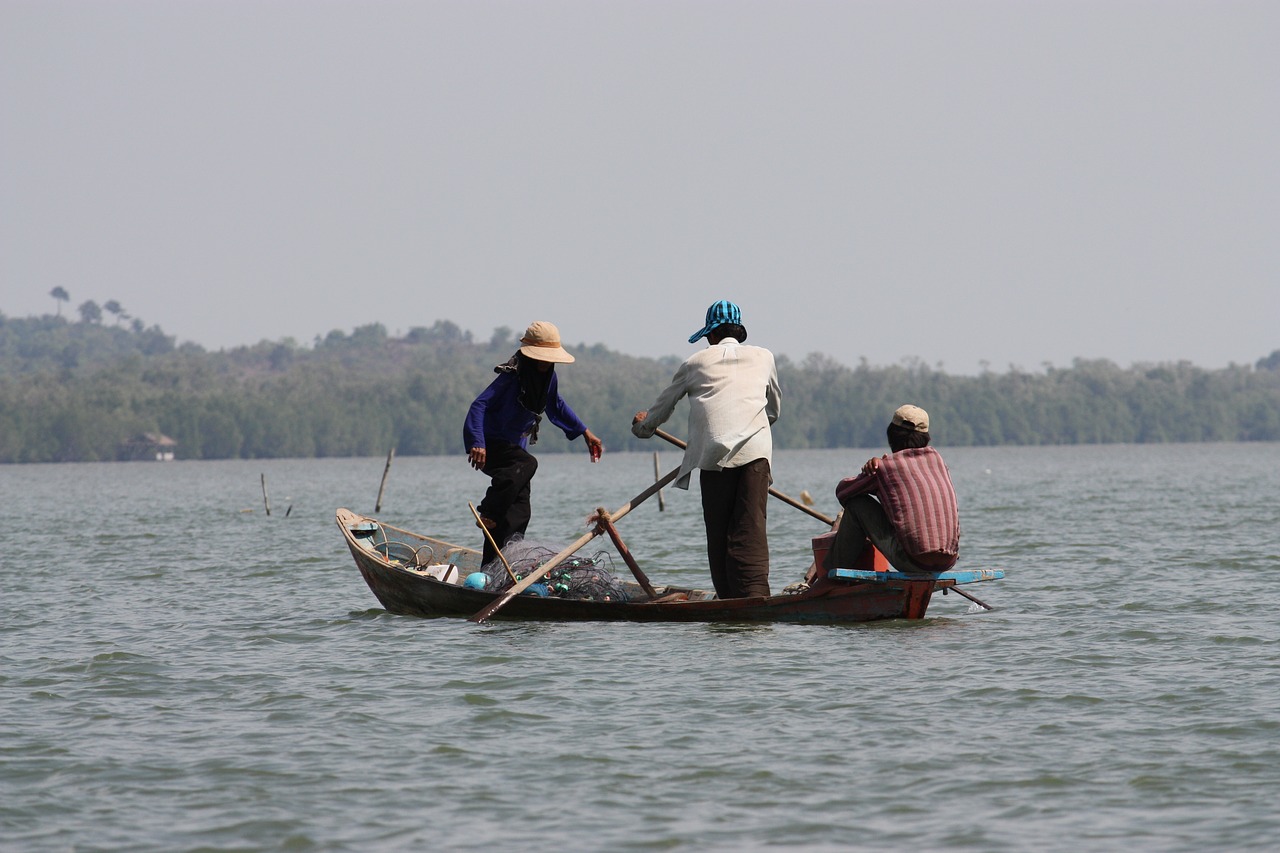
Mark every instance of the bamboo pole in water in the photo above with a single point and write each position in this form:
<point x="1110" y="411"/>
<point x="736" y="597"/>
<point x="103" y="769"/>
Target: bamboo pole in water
<point x="377" y="506"/>
<point x="266" y="501"/>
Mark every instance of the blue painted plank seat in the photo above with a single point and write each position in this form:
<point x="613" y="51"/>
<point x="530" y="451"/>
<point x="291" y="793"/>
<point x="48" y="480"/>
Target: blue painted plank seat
<point x="959" y="577"/>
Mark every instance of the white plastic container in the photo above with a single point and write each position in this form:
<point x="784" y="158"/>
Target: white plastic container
<point x="444" y="572"/>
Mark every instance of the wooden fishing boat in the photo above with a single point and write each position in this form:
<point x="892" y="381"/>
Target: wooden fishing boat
<point x="417" y="575"/>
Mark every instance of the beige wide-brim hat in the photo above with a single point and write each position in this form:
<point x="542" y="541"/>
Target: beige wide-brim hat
<point x="542" y="342"/>
<point x="912" y="417"/>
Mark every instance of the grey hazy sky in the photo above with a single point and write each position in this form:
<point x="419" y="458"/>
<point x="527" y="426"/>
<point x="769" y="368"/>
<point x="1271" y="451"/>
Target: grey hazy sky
<point x="963" y="182"/>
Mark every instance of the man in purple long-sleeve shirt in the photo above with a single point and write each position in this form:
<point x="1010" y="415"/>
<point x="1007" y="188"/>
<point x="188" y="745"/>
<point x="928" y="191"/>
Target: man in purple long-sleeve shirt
<point x="903" y="502"/>
<point x="503" y="421"/>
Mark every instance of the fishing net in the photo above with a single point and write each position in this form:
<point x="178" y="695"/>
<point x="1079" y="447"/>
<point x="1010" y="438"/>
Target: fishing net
<point x="579" y="577"/>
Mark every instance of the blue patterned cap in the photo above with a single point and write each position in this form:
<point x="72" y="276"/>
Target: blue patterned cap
<point x="718" y="314"/>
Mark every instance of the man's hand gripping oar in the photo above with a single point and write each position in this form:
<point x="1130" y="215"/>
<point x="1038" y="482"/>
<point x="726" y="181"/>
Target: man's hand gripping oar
<point x="666" y="436"/>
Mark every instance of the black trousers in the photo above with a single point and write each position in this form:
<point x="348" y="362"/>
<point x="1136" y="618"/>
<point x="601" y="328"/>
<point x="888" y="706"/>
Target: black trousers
<point x="510" y="469"/>
<point x="864" y="518"/>
<point x="735" y="511"/>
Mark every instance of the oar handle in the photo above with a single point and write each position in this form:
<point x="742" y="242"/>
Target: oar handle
<point x="666" y="436"/>
<point x="805" y="509"/>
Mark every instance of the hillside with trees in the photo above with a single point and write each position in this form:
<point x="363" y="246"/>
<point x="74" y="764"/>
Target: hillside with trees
<point x="80" y="390"/>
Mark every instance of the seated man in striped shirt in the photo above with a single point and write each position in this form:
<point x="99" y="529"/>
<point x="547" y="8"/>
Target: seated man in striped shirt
<point x="903" y="502"/>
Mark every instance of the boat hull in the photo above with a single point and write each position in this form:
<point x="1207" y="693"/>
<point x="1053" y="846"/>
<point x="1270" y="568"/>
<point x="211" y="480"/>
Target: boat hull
<point x="403" y="590"/>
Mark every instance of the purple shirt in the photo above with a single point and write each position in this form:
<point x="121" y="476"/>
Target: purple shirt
<point x="915" y="490"/>
<point x="496" y="415"/>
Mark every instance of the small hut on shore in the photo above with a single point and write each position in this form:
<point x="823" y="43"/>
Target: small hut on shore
<point x="149" y="445"/>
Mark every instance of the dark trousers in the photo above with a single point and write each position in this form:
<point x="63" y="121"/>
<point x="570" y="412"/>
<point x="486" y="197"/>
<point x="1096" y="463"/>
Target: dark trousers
<point x="735" y="510"/>
<point x="864" y="518"/>
<point x="510" y="469"/>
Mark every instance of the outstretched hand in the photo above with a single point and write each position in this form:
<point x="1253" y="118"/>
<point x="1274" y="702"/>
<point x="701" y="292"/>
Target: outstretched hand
<point x="595" y="447"/>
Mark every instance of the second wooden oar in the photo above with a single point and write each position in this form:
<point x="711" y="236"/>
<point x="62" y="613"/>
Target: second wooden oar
<point x="538" y="573"/>
<point x="666" y="436"/>
<point x="974" y="599"/>
<point x="602" y="518"/>
<point x="488" y="534"/>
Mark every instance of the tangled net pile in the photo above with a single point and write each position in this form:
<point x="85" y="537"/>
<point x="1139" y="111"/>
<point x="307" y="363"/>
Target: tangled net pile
<point x="579" y="577"/>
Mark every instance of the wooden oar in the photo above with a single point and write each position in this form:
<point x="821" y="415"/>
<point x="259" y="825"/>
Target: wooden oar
<point x="972" y="598"/>
<point x="777" y="494"/>
<point x="489" y="535"/>
<point x="540" y="572"/>
<point x="602" y="518"/>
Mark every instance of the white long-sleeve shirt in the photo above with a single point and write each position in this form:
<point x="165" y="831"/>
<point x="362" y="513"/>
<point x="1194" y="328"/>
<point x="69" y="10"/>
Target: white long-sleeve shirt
<point x="733" y="398"/>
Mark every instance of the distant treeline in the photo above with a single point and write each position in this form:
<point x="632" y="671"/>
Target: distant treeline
<point x="79" y="391"/>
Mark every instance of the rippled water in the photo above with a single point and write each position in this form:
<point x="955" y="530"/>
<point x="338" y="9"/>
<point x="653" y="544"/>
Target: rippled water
<point x="179" y="671"/>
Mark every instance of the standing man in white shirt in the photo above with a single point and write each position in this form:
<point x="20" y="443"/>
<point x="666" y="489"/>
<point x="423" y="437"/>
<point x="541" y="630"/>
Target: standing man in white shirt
<point x="733" y="399"/>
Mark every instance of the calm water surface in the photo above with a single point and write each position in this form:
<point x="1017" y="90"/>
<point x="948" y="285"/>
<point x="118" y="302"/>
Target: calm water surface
<point x="179" y="671"/>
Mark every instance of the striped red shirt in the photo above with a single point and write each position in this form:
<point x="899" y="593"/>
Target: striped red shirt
<point x="915" y="490"/>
